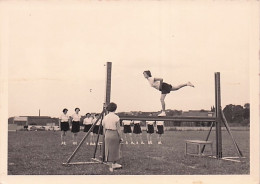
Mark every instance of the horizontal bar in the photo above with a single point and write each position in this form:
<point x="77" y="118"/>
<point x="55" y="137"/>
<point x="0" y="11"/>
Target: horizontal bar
<point x="100" y="161"/>
<point x="226" y="158"/>
<point x="170" y="118"/>
<point x="80" y="163"/>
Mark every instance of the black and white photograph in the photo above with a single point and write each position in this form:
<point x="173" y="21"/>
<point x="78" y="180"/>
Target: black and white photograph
<point x="111" y="91"/>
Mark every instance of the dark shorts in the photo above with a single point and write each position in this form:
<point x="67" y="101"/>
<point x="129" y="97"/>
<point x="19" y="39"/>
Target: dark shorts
<point x="95" y="130"/>
<point x="160" y="129"/>
<point x="166" y="88"/>
<point x="137" y="129"/>
<point x="64" y="126"/>
<point x="150" y="129"/>
<point x="75" y="127"/>
<point x="127" y="129"/>
<point x="87" y="127"/>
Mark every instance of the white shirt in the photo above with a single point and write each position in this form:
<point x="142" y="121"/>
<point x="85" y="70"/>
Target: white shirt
<point x="136" y="122"/>
<point x="110" y="121"/>
<point x="159" y="122"/>
<point x="150" y="122"/>
<point x="76" y="117"/>
<point x="95" y="119"/>
<point x="127" y="122"/>
<point x="88" y="121"/>
<point x="64" y="117"/>
<point x="155" y="84"/>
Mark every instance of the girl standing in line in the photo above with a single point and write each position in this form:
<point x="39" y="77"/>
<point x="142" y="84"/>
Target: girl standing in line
<point x="113" y="137"/>
<point x="87" y="125"/>
<point x="96" y="128"/>
<point x="64" y="125"/>
<point x="150" y="131"/>
<point x="165" y="88"/>
<point x="138" y="132"/>
<point x="128" y="131"/>
<point x="75" y="125"/>
<point x="160" y="130"/>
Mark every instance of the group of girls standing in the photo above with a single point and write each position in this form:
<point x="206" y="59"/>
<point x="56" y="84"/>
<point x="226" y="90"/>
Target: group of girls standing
<point x="151" y="126"/>
<point x="73" y="121"/>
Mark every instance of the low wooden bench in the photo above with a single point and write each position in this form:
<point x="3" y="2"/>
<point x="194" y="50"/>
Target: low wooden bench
<point x="200" y="145"/>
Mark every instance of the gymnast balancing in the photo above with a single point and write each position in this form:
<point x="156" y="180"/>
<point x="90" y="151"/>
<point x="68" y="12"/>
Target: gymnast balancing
<point x="165" y="88"/>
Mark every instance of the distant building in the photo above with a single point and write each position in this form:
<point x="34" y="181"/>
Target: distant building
<point x="34" y="120"/>
<point x="198" y="113"/>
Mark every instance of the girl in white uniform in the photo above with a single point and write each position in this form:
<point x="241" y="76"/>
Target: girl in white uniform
<point x="87" y="125"/>
<point x="160" y="130"/>
<point x="75" y="125"/>
<point x="64" y="125"/>
<point x="127" y="130"/>
<point x="138" y="132"/>
<point x="165" y="88"/>
<point x="150" y="131"/>
<point x="96" y="128"/>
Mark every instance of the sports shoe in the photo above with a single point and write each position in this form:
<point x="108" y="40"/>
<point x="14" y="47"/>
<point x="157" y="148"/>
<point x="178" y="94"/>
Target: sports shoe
<point x="116" y="166"/>
<point x="160" y="142"/>
<point x="162" y="113"/>
<point x="142" y="142"/>
<point x="136" y="142"/>
<point x="190" y="84"/>
<point x="61" y="143"/>
<point x="64" y="143"/>
<point x="149" y="142"/>
<point x="132" y="143"/>
<point x="126" y="142"/>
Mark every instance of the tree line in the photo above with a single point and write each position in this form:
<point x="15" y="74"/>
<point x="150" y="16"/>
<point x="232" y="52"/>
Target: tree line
<point x="237" y="114"/>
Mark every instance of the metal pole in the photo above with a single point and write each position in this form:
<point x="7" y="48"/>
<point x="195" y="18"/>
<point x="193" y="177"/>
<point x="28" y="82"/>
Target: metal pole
<point x="108" y="83"/>
<point x="229" y="131"/>
<point x="218" y="116"/>
<point x="81" y="142"/>
<point x="203" y="148"/>
<point x="99" y="129"/>
<point x="107" y="100"/>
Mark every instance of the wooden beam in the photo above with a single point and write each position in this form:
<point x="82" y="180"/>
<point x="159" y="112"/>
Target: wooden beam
<point x="169" y="118"/>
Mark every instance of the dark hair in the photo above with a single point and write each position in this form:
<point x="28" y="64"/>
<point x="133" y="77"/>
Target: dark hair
<point x="88" y="114"/>
<point x="111" y="107"/>
<point x="65" y="110"/>
<point x="77" y="108"/>
<point x="148" y="73"/>
<point x="96" y="114"/>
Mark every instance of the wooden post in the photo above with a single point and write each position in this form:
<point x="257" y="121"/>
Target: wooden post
<point x="108" y="83"/>
<point x="218" y="116"/>
<point x="107" y="100"/>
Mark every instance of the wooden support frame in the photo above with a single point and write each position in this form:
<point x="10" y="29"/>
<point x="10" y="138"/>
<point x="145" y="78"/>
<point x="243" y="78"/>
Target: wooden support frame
<point x="217" y="119"/>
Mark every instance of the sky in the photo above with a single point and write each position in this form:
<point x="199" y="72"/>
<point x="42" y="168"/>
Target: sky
<point x="57" y="53"/>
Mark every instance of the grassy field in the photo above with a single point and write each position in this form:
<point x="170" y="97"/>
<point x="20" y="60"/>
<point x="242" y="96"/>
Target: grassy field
<point x="40" y="153"/>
